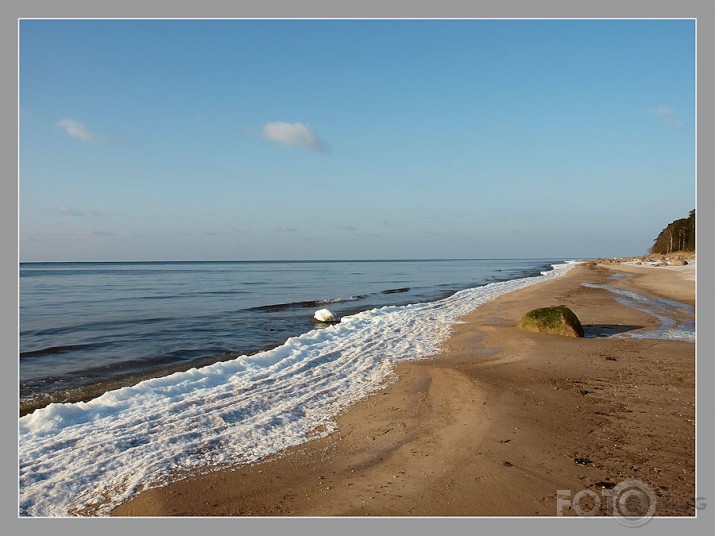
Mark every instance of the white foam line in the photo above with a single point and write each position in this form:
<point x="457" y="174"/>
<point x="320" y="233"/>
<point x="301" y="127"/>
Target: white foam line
<point x="97" y="453"/>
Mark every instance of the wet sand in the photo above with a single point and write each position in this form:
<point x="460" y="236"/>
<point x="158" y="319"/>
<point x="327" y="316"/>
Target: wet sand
<point x="495" y="424"/>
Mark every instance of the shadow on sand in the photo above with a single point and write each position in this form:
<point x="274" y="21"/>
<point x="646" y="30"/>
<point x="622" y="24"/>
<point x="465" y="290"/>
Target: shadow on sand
<point x="607" y="330"/>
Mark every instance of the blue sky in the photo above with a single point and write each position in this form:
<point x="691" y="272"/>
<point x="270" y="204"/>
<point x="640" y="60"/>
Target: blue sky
<point x="247" y="139"/>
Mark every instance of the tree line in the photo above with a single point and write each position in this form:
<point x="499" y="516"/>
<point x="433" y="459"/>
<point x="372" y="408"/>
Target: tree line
<point x="679" y="235"/>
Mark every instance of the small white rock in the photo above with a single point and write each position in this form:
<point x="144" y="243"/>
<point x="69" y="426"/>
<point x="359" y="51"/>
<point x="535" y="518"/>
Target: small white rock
<point x="323" y="315"/>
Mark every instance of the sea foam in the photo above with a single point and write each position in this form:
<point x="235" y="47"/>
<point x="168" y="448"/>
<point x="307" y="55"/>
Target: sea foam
<point x="88" y="457"/>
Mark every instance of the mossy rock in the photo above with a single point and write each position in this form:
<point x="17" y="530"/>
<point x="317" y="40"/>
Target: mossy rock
<point x="558" y="320"/>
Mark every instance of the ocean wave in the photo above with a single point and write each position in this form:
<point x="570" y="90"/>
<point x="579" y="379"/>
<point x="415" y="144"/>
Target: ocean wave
<point x="91" y="325"/>
<point x="396" y="290"/>
<point x="54" y="350"/>
<point x="302" y="304"/>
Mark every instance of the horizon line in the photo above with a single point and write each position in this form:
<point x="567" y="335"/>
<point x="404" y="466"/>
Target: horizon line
<point x="406" y="259"/>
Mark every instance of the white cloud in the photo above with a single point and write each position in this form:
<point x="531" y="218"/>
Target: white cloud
<point x="294" y="135"/>
<point x="660" y="111"/>
<point x="286" y="229"/>
<point x="78" y="130"/>
<point x="68" y="211"/>
<point x="666" y="114"/>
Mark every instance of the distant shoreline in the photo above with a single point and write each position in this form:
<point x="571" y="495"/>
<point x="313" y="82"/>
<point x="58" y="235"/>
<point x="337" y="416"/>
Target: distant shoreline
<point x="676" y="258"/>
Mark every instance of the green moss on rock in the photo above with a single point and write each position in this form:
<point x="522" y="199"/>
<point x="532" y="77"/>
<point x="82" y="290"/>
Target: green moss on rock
<point x="559" y="320"/>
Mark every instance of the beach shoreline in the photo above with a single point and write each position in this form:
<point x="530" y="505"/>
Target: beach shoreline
<point x="496" y="423"/>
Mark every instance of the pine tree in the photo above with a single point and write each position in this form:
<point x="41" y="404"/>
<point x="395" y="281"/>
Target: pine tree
<point x="679" y="235"/>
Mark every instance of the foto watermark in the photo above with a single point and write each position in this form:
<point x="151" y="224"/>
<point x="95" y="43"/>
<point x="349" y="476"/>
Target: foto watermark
<point x="631" y="502"/>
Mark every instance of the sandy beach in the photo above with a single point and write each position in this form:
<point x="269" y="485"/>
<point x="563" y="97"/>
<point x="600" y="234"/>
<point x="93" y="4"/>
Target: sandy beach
<point x="496" y="423"/>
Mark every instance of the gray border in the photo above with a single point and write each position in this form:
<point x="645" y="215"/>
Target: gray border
<point x="15" y="9"/>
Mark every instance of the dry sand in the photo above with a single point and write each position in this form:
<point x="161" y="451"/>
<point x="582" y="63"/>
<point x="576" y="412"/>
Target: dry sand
<point x="495" y="424"/>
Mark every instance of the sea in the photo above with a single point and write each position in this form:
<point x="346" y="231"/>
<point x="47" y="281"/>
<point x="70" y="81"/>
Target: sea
<point x="132" y="374"/>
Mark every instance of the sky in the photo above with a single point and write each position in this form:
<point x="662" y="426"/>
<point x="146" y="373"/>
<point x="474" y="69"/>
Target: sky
<point x="352" y="139"/>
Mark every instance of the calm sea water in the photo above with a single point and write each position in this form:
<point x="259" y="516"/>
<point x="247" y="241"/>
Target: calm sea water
<point x="86" y="327"/>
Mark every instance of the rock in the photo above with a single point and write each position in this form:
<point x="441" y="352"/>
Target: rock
<point x="558" y="320"/>
<point x="323" y="315"/>
<point x="678" y="262"/>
